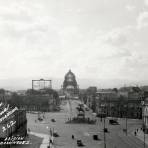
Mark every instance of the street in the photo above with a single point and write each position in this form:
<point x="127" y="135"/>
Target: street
<point x="115" y="138"/>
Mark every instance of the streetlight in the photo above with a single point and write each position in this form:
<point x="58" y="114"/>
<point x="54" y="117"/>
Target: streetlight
<point x="143" y="105"/>
<point x="105" y="112"/>
<point x="104" y="134"/>
<point x="126" y="115"/>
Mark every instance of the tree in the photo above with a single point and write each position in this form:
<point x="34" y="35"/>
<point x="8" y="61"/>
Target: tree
<point x="15" y="100"/>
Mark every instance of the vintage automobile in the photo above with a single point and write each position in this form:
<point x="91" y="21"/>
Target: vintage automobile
<point x="106" y="130"/>
<point x="55" y="134"/>
<point x="113" y="122"/>
<point x="95" y="137"/>
<point x="53" y="120"/>
<point x="79" y="143"/>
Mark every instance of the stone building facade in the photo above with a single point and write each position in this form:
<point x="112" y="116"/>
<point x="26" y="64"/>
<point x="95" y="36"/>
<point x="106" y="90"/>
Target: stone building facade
<point x="125" y="102"/>
<point x="70" y="87"/>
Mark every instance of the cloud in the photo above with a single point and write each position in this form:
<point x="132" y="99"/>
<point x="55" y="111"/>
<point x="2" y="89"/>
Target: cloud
<point x="130" y="8"/>
<point x="146" y="2"/>
<point x="49" y="37"/>
<point x="142" y="20"/>
<point x="117" y="37"/>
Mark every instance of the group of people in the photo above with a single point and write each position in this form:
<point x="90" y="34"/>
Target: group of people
<point x="136" y="131"/>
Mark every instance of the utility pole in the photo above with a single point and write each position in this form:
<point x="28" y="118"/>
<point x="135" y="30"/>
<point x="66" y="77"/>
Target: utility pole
<point x="126" y="126"/>
<point x="143" y="116"/>
<point x="143" y="104"/>
<point x="126" y="121"/>
<point x="104" y="134"/>
<point x="144" y="138"/>
<point x="105" y="112"/>
<point x="126" y="114"/>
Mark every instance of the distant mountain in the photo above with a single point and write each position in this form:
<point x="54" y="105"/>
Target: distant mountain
<point x="26" y="83"/>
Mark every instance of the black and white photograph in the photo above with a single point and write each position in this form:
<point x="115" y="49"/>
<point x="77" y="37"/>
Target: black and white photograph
<point x="73" y="73"/>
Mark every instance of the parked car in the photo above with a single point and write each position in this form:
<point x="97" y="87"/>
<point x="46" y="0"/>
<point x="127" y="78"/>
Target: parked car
<point x="106" y="130"/>
<point x="95" y="137"/>
<point x="113" y="122"/>
<point x="53" y="120"/>
<point x="55" y="134"/>
<point x="79" y="143"/>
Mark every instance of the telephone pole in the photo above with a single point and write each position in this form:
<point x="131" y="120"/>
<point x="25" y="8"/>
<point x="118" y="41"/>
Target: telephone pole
<point x="104" y="134"/>
<point x="126" y="115"/>
<point x="143" y="110"/>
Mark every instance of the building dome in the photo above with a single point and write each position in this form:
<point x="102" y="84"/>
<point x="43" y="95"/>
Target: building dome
<point x="70" y="76"/>
<point x="70" y="83"/>
<point x="69" y="73"/>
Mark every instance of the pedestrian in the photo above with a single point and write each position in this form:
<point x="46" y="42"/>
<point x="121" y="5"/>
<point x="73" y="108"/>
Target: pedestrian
<point x="137" y="130"/>
<point x="73" y="137"/>
<point x="135" y="133"/>
<point x="51" y="141"/>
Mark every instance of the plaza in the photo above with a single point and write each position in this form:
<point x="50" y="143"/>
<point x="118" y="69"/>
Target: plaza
<point x="114" y="138"/>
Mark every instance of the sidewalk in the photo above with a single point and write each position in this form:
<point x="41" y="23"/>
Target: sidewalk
<point x="45" y="142"/>
<point x="140" y="135"/>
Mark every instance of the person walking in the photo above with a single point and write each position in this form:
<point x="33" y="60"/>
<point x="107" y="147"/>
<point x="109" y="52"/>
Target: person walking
<point x="73" y="137"/>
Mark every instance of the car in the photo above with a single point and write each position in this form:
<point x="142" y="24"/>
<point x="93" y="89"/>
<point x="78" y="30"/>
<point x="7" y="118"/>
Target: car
<point x="113" y="122"/>
<point x="40" y="119"/>
<point x="55" y="134"/>
<point x="53" y="120"/>
<point x="95" y="137"/>
<point x="79" y="143"/>
<point x="105" y="130"/>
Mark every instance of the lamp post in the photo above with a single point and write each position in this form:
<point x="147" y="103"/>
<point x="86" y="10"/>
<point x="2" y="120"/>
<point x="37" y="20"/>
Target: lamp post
<point x="104" y="134"/>
<point x="105" y="112"/>
<point x="144" y="138"/>
<point x="126" y="116"/>
<point x="143" y="110"/>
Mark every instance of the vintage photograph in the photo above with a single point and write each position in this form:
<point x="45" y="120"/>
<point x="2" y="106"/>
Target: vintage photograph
<point x="73" y="73"/>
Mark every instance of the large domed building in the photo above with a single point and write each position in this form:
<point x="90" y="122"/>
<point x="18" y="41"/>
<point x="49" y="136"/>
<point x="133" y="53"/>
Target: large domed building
<point x="70" y="86"/>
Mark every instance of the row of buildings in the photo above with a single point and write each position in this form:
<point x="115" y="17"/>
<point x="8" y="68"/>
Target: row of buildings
<point x="126" y="102"/>
<point x="123" y="102"/>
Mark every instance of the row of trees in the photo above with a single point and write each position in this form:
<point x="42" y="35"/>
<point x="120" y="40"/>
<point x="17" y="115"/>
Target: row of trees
<point x="32" y="98"/>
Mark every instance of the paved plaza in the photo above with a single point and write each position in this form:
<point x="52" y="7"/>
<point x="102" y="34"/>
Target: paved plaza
<point x="115" y="138"/>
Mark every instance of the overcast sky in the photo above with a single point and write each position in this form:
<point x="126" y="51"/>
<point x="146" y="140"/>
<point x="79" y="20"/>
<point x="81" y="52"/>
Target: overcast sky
<point x="105" y="39"/>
